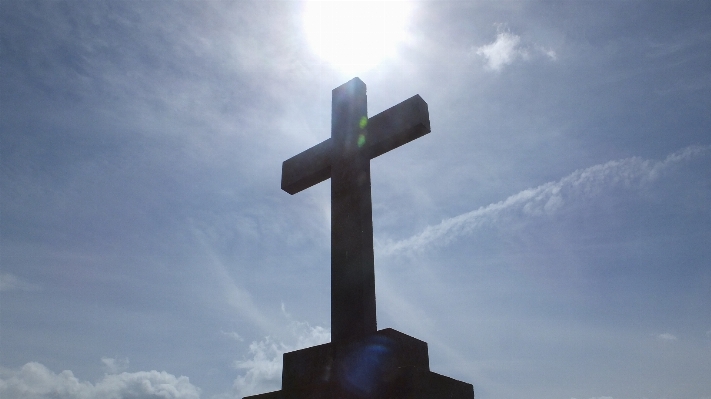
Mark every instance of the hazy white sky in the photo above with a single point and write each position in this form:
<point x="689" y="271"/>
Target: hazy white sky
<point x="549" y="238"/>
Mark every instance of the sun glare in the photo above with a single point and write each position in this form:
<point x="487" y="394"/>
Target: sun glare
<point x="355" y="36"/>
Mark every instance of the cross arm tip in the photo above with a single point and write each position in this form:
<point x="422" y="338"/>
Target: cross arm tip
<point x="307" y="168"/>
<point x="398" y="125"/>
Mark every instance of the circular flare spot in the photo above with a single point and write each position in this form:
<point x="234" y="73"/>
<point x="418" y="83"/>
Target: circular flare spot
<point x="363" y="122"/>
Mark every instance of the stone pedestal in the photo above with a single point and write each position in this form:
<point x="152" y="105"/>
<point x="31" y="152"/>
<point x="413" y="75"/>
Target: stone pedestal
<point x="385" y="365"/>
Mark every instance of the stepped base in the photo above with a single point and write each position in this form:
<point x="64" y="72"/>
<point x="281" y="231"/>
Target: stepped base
<point x="385" y="365"/>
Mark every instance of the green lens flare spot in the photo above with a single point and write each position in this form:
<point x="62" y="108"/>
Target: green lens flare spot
<point x="361" y="140"/>
<point x="363" y="123"/>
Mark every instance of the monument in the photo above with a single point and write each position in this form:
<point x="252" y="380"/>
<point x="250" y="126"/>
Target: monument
<point x="360" y="361"/>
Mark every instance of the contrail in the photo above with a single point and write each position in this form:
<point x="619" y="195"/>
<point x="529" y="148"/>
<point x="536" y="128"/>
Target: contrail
<point x="544" y="199"/>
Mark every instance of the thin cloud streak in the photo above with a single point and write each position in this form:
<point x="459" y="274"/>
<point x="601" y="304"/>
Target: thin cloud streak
<point x="545" y="199"/>
<point x="10" y="282"/>
<point x="667" y="337"/>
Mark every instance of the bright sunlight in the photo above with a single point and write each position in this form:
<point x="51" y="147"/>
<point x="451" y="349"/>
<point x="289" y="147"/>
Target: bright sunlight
<point x="355" y="36"/>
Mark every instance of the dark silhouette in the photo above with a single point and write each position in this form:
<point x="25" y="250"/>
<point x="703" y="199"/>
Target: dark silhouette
<point x="360" y="362"/>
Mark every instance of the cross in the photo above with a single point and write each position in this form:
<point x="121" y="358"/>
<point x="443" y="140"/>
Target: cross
<point x="345" y="158"/>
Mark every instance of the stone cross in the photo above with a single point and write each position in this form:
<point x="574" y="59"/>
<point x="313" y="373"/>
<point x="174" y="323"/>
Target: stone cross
<point x="345" y="158"/>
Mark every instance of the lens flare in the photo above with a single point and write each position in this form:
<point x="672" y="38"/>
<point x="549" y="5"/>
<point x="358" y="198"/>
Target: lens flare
<point x="361" y="140"/>
<point x="363" y="369"/>
<point x="363" y="122"/>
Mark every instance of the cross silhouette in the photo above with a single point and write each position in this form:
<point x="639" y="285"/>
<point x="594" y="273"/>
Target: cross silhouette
<point x="345" y="158"/>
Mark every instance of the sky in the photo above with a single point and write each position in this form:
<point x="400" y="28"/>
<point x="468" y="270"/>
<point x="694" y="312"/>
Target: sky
<point x="548" y="239"/>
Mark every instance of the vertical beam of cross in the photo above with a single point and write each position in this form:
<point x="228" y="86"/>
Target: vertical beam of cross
<point x="352" y="261"/>
<point x="345" y="158"/>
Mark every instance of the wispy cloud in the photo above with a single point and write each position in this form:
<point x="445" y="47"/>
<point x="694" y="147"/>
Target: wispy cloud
<point x="550" y="53"/>
<point x="36" y="381"/>
<point x="10" y="282"/>
<point x="667" y="337"/>
<point x="113" y="365"/>
<point x="232" y="335"/>
<point x="545" y="199"/>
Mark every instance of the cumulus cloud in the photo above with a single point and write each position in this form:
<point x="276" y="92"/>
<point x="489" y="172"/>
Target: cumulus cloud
<point x="262" y="370"/>
<point x="667" y="337"/>
<point x="35" y="381"/>
<point x="10" y="282"/>
<point x="503" y="51"/>
<point x="507" y="48"/>
<point x="543" y="200"/>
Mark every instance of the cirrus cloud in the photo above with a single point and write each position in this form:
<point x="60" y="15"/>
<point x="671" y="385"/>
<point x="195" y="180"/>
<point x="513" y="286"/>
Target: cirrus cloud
<point x="667" y="337"/>
<point x="545" y="199"/>
<point x="10" y="282"/>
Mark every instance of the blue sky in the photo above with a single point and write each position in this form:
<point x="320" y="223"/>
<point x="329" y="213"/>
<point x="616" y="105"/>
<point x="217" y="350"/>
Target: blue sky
<point x="549" y="238"/>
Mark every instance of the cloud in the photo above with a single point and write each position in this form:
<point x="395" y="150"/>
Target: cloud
<point x="113" y="366"/>
<point x="667" y="337"/>
<point x="503" y="51"/>
<point x="545" y="199"/>
<point x="509" y="47"/>
<point x="9" y="282"/>
<point x="550" y="53"/>
<point x="262" y="370"/>
<point x="35" y="381"/>
<point x="261" y="373"/>
<point x="232" y="335"/>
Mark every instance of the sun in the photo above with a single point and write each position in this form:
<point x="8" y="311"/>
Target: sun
<point x="355" y="36"/>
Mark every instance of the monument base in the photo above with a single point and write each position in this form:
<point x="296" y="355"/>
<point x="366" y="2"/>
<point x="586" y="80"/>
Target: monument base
<point x="385" y="365"/>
